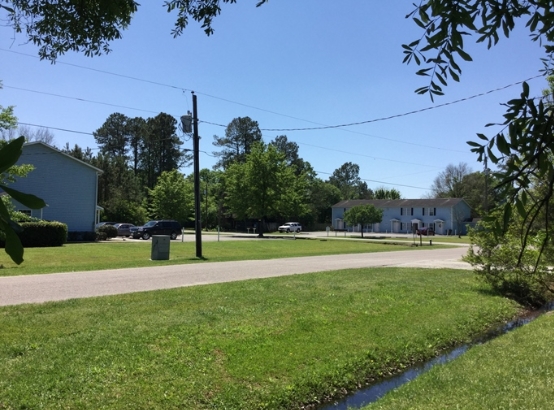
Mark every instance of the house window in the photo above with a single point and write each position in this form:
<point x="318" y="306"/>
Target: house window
<point x="401" y="226"/>
<point x="432" y="211"/>
<point x="412" y="211"/>
<point x="422" y="211"/>
<point x="25" y="211"/>
<point x="401" y="211"/>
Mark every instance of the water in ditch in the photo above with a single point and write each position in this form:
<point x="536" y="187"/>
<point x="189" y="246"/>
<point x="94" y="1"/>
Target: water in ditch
<point x="372" y="393"/>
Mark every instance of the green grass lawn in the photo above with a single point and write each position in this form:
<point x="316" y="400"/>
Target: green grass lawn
<point x="515" y="371"/>
<point x="464" y="240"/>
<point x="115" y="255"/>
<point x="266" y="343"/>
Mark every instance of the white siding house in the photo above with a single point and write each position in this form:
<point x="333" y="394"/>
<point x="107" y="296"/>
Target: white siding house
<point x="68" y="186"/>
<point x="443" y="215"/>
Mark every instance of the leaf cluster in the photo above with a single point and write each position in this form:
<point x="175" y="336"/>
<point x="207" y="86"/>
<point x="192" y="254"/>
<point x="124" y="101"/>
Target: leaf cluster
<point x="203" y="11"/>
<point x="517" y="265"/>
<point x="69" y="25"/>
<point x="446" y="23"/>
<point x="363" y="215"/>
<point x="9" y="154"/>
<point x="523" y="152"/>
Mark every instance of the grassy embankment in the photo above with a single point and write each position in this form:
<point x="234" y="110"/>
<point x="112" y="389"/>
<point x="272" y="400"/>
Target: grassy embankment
<point x="515" y="371"/>
<point x="130" y="254"/>
<point x="265" y="343"/>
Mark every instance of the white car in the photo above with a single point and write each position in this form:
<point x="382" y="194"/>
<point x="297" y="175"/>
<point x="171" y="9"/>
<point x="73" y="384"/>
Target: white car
<point x="290" y="227"/>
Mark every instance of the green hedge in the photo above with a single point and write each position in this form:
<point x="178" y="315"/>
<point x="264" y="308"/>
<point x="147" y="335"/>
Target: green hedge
<point x="41" y="234"/>
<point x="109" y="230"/>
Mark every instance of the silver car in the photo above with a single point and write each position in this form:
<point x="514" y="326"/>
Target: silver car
<point x="124" y="229"/>
<point x="290" y="227"/>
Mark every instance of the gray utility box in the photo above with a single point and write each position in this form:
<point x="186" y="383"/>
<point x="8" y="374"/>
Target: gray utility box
<point x="160" y="247"/>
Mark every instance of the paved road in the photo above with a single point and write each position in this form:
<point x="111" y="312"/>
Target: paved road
<point x="61" y="286"/>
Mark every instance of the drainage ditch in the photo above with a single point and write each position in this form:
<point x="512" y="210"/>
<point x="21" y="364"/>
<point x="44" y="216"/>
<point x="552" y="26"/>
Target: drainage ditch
<point x="374" y="392"/>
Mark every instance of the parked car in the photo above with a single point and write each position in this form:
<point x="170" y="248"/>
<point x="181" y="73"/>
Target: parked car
<point x="123" y="229"/>
<point x="425" y="232"/>
<point x="290" y="227"/>
<point x="163" y="227"/>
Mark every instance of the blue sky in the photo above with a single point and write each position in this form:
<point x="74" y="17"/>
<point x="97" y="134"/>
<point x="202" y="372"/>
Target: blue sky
<point x="289" y="64"/>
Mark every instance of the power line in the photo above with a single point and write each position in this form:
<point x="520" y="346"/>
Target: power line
<point x="406" y="113"/>
<point x="368" y="156"/>
<point x="221" y="125"/>
<point x="77" y="98"/>
<point x="323" y="126"/>
<point x="213" y="156"/>
<point x="55" y="128"/>
<point x="100" y="71"/>
<point x="380" y="182"/>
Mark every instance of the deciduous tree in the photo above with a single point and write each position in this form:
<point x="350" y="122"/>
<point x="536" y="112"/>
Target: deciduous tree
<point x="323" y="196"/>
<point x="172" y="197"/>
<point x="90" y="26"/>
<point x="363" y="215"/>
<point x="264" y="185"/>
<point x="385" y="193"/>
<point x="36" y="134"/>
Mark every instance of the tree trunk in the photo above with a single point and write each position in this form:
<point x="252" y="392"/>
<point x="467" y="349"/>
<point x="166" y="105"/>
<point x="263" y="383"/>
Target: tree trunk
<point x="261" y="227"/>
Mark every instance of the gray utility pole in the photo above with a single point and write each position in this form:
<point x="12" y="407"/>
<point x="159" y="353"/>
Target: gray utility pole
<point x="196" y="150"/>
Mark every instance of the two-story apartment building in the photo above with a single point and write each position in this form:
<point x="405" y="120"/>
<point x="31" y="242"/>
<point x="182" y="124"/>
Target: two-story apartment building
<point x="68" y="186"/>
<point x="443" y="215"/>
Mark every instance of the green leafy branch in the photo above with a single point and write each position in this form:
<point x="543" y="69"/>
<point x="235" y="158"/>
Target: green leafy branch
<point x="9" y="154"/>
<point x="445" y="23"/>
<point x="526" y="163"/>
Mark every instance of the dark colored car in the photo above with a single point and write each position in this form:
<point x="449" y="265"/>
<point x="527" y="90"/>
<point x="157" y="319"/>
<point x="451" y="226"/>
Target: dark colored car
<point x="163" y="227"/>
<point x="425" y="232"/>
<point x="124" y="229"/>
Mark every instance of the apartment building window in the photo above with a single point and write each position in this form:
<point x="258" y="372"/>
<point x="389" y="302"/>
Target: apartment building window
<point x="412" y="211"/>
<point x="423" y="211"/>
<point x="432" y="211"/>
<point x="401" y="211"/>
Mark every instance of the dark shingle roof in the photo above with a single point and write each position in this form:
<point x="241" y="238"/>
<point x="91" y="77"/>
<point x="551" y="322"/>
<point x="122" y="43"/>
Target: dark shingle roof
<point x="401" y="203"/>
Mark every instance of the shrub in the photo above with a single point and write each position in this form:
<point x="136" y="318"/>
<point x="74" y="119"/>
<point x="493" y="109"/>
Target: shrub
<point x="101" y="236"/>
<point x="109" y="230"/>
<point x="41" y="234"/>
<point x="519" y="271"/>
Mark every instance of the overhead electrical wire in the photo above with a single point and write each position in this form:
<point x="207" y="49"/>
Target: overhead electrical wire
<point x="78" y="99"/>
<point x="380" y="182"/>
<point x="321" y="127"/>
<point x="221" y="125"/>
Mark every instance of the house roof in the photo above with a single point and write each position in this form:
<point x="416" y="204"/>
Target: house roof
<point x="401" y="203"/>
<point x="42" y="144"/>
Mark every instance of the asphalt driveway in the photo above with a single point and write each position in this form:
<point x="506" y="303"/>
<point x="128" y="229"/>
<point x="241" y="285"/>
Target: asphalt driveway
<point x="62" y="286"/>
